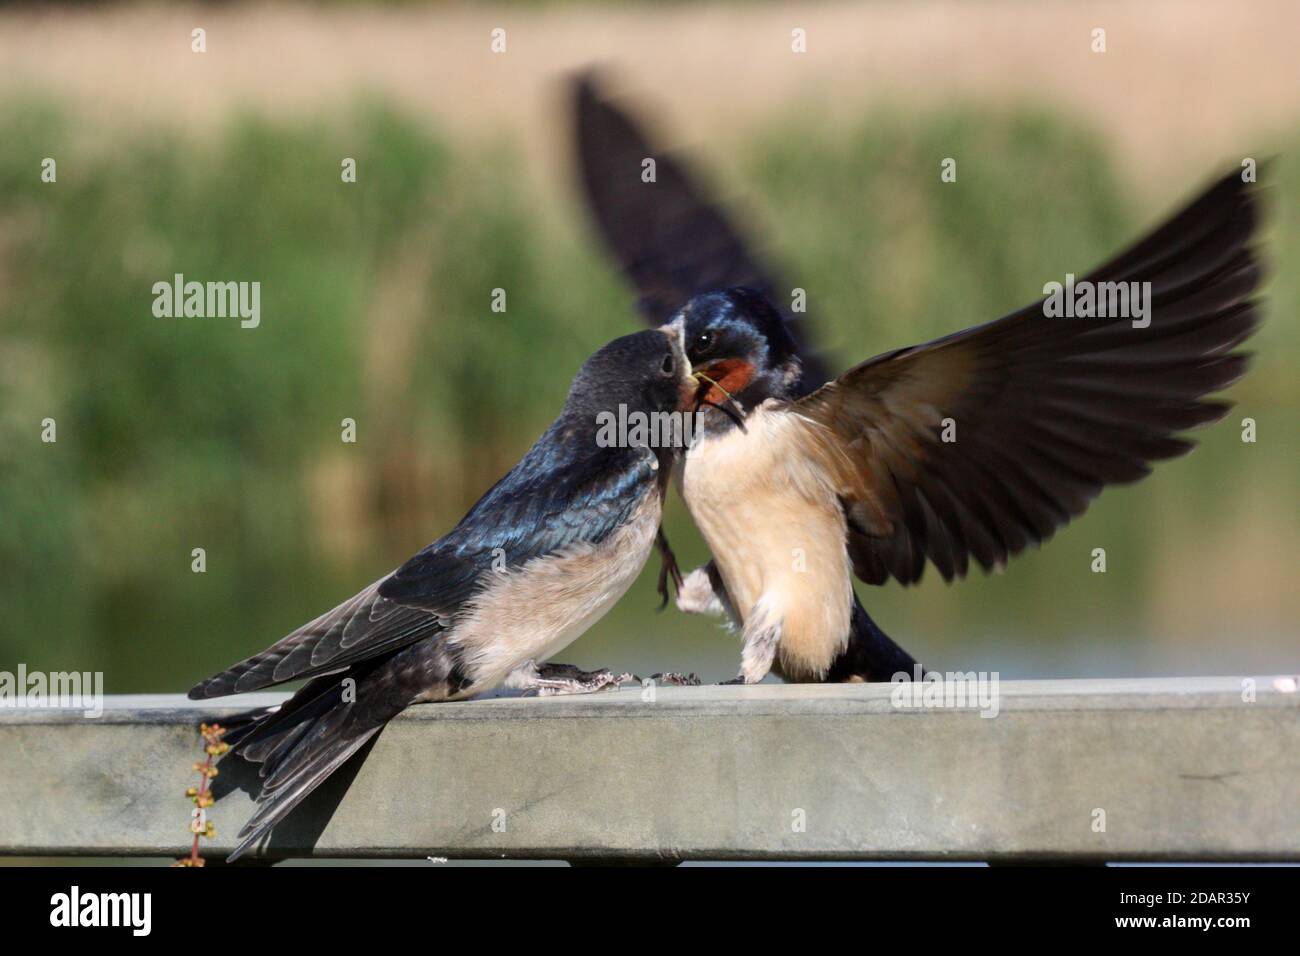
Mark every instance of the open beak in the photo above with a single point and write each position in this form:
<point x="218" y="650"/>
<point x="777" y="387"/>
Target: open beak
<point x="713" y="387"/>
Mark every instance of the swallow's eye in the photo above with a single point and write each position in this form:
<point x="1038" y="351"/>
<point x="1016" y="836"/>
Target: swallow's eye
<point x="703" y="342"/>
<point x="668" y="365"/>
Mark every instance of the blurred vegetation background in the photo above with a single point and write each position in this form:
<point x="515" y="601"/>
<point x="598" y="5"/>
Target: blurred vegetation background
<point x="175" y="434"/>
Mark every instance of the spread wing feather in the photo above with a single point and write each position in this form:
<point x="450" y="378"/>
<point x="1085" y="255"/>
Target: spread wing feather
<point x="1044" y="412"/>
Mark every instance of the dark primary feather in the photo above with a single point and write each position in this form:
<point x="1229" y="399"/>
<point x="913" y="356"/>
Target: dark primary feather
<point x="1048" y="411"/>
<point x="670" y="241"/>
<point x="362" y="627"/>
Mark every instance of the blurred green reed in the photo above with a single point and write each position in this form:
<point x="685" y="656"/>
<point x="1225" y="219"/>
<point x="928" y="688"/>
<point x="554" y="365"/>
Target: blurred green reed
<point x="182" y="433"/>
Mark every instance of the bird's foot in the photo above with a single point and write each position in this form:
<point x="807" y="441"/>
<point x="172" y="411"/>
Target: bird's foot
<point x="674" y="679"/>
<point x="553" y="680"/>
<point x="667" y="568"/>
<point x="738" y="679"/>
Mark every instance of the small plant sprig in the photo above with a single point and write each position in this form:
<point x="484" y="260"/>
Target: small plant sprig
<point x="201" y="796"/>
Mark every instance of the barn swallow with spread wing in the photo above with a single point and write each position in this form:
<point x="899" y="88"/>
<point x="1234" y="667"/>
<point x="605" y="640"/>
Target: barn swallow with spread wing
<point x="672" y="244"/>
<point x="970" y="448"/>
<point x="539" y="559"/>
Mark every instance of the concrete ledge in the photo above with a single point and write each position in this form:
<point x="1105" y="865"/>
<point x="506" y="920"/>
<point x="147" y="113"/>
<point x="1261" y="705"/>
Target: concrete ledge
<point x="1183" y="768"/>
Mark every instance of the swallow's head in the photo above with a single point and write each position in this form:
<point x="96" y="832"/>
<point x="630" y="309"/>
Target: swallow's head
<point x="739" y="348"/>
<point x="644" y="372"/>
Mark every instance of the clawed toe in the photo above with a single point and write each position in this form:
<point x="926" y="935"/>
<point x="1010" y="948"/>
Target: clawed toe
<point x="556" y="679"/>
<point x="674" y="679"/>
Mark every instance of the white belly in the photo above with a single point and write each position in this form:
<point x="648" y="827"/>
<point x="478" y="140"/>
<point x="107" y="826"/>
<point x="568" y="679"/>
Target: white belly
<point x="542" y="608"/>
<point x="777" y="533"/>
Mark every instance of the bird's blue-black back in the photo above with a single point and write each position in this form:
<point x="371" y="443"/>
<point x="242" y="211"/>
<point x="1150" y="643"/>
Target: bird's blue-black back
<point x="567" y="488"/>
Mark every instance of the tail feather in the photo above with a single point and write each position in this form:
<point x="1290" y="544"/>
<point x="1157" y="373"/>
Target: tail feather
<point x="872" y="655"/>
<point x="313" y="742"/>
<point x="296" y="788"/>
<point x="272" y="738"/>
<point x="303" y="741"/>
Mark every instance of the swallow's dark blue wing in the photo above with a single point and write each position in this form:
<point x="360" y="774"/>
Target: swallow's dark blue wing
<point x="555" y="497"/>
<point x="669" y="240"/>
<point x="563" y="492"/>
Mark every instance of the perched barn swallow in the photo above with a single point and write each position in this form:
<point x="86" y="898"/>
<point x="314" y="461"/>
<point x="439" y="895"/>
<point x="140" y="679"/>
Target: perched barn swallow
<point x="673" y="244"/>
<point x="972" y="447"/>
<point x="538" y="560"/>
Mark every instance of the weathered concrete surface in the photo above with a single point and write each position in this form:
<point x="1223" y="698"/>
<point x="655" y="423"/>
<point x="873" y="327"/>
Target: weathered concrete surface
<point x="1182" y="768"/>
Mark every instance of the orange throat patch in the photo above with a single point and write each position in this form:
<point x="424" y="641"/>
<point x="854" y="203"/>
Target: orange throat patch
<point x="732" y="375"/>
